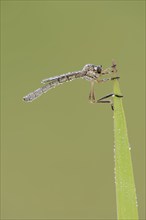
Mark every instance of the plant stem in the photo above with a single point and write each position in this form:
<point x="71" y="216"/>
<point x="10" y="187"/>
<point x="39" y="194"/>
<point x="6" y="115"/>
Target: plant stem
<point x="124" y="179"/>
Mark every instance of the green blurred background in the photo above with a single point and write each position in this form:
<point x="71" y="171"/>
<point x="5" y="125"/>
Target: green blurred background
<point x="57" y="152"/>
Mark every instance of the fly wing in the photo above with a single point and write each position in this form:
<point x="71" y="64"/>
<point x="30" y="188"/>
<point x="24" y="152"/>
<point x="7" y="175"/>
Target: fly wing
<point x="38" y="92"/>
<point x="52" y="83"/>
<point x="64" y="77"/>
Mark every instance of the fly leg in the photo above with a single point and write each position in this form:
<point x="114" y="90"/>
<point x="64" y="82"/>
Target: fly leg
<point x="91" y="94"/>
<point x="107" y="79"/>
<point x="105" y="99"/>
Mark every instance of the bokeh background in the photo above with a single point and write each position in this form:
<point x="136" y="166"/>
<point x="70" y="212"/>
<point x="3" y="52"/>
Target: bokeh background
<point x="57" y="152"/>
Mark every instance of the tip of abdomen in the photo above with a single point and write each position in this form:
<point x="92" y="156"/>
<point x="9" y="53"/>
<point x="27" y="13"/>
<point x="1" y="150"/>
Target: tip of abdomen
<point x="27" y="99"/>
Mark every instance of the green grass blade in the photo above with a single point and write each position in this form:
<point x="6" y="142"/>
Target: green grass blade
<point x="125" y="186"/>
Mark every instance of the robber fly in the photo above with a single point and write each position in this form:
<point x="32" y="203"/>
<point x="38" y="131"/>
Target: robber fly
<point x="90" y="72"/>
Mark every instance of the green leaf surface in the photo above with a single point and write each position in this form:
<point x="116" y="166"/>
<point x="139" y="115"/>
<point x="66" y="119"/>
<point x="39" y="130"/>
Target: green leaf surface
<point x="124" y="178"/>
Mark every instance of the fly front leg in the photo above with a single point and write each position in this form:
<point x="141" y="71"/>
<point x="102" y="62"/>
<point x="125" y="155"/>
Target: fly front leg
<point x="107" y="79"/>
<point x="91" y="94"/>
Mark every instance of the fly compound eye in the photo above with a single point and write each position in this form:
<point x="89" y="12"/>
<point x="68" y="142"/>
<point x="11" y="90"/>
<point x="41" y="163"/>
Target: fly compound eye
<point x="99" y="69"/>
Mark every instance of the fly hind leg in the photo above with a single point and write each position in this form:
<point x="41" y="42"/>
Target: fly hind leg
<point x="105" y="100"/>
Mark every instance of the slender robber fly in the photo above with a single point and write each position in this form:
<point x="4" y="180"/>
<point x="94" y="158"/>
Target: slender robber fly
<point x="92" y="73"/>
